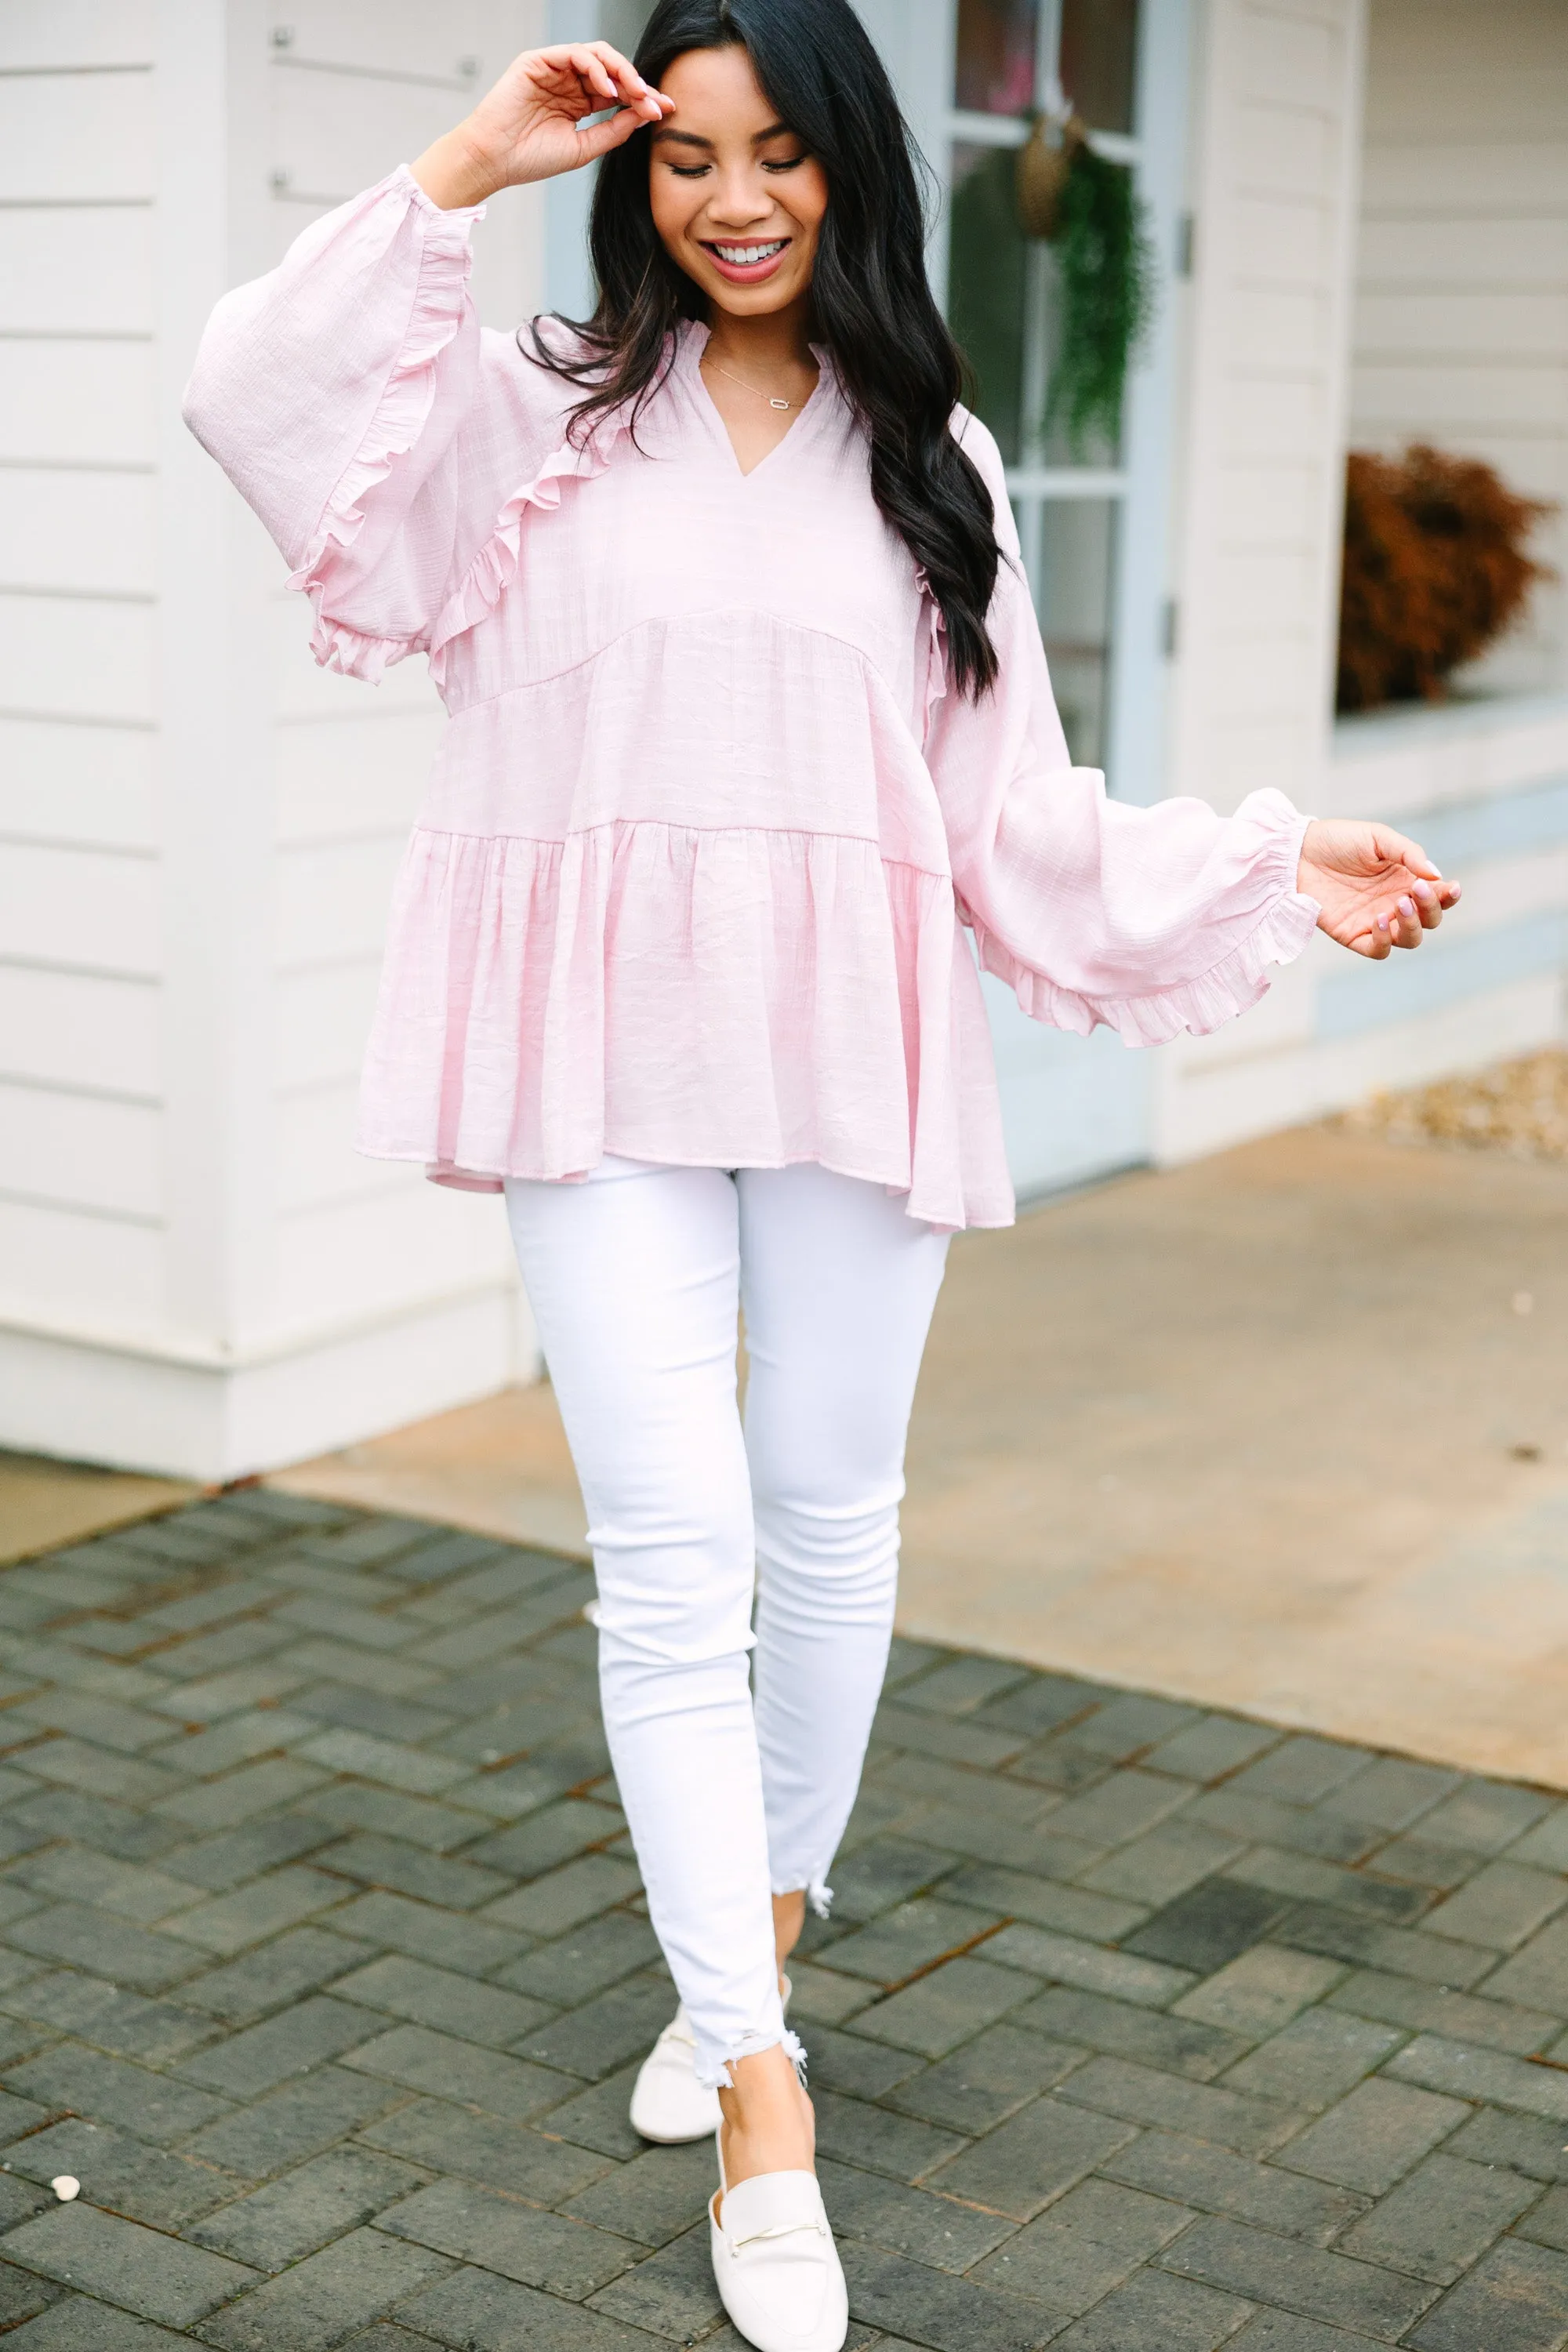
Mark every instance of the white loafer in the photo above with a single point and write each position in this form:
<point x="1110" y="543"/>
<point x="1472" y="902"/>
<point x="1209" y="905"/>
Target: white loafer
<point x="669" y="2104"/>
<point x="776" y="2266"/>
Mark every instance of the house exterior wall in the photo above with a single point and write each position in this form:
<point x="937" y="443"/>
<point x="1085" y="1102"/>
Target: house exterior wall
<point x="198" y="829"/>
<point x="1457" y="263"/>
<point x="81" y="1113"/>
<point x="1461" y="318"/>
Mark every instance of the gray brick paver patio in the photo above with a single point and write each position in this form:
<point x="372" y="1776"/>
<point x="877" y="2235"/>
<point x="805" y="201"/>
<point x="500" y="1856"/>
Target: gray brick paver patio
<point x="324" y="1966"/>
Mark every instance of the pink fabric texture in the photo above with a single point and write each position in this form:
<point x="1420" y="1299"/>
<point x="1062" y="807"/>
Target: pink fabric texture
<point x="692" y="874"/>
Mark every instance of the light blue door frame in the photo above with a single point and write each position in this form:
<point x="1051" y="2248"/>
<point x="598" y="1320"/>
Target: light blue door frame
<point x="1077" y="1107"/>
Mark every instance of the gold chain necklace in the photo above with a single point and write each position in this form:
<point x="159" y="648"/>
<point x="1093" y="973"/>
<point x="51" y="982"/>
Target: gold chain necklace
<point x="751" y="388"/>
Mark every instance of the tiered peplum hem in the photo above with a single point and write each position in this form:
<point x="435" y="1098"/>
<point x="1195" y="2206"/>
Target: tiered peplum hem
<point x="829" y="1010"/>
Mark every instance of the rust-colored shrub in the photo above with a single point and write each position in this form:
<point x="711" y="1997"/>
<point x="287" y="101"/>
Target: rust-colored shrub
<point x="1434" y="569"/>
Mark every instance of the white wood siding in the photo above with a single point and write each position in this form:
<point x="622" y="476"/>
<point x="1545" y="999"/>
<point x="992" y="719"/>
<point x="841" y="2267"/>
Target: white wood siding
<point x="67" y="780"/>
<point x="80" y="1031"/>
<point x="80" y="1135"/>
<point x="67" y="1268"/>
<point x="77" y="136"/>
<point x="76" y="34"/>
<point x="198" y="829"/>
<point x="1461" y="322"/>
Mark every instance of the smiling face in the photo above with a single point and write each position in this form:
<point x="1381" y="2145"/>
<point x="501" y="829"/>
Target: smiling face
<point x="736" y="199"/>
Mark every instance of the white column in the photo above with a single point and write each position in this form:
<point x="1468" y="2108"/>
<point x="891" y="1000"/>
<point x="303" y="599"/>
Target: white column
<point x="215" y="704"/>
<point x="1276" y="158"/>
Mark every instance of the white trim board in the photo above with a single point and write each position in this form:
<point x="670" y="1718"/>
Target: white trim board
<point x="1392" y="763"/>
<point x="140" y="1411"/>
<point x="1233" y="1101"/>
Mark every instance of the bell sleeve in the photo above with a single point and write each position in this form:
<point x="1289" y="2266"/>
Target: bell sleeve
<point x="1151" y="920"/>
<point x="332" y="392"/>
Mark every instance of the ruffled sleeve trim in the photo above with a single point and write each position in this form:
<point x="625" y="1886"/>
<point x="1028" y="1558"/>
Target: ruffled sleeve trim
<point x="400" y="417"/>
<point x="1196" y="1006"/>
<point x="494" y="568"/>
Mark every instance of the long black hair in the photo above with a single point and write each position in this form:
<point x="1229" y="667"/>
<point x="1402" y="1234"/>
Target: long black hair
<point x="871" y="301"/>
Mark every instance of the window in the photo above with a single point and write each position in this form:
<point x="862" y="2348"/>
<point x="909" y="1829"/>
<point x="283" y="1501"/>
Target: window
<point x="1015" y="58"/>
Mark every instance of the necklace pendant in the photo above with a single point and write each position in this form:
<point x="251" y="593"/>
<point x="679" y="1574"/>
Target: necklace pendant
<point x="780" y="403"/>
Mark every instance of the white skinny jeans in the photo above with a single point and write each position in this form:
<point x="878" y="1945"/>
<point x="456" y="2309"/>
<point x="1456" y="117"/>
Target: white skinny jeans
<point x="636" y="1277"/>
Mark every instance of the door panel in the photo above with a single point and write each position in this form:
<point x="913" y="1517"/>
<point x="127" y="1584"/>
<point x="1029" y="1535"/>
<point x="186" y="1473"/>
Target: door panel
<point x="1072" y="1107"/>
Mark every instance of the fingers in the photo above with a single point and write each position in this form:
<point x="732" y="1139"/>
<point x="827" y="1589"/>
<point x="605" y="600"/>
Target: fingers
<point x="1428" y="904"/>
<point x="1395" y="926"/>
<point x="1378" y="890"/>
<point x="593" y="73"/>
<point x="1421" y="908"/>
<point x="595" y="140"/>
<point x="1410" y="915"/>
<point x="1403" y="921"/>
<point x="1398" y="849"/>
<point x="1410" y="930"/>
<point x="613" y="79"/>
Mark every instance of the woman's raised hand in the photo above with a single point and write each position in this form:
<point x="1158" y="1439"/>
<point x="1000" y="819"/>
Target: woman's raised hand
<point x="534" y="123"/>
<point x="1375" y="890"/>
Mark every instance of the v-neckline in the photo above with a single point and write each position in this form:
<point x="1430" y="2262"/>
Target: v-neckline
<point x="696" y="342"/>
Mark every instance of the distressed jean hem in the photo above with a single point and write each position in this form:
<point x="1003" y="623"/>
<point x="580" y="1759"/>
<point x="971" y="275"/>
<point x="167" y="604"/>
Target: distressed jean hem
<point x="817" y="1893"/>
<point x="714" y="2073"/>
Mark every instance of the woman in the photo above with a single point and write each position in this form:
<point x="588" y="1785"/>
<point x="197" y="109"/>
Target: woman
<point x="750" y="717"/>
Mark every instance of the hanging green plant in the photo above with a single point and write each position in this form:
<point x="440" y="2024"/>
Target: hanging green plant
<point x="1089" y="211"/>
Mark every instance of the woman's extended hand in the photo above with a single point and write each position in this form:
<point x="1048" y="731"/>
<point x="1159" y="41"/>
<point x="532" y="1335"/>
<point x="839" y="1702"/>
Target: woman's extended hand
<point x="531" y="125"/>
<point x="1374" y="890"/>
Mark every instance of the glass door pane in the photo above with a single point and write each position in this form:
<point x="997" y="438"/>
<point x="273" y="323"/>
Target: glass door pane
<point x="996" y="44"/>
<point x="1076" y="559"/>
<point x="1099" y="60"/>
<point x="1014" y="59"/>
<point x="987" y="276"/>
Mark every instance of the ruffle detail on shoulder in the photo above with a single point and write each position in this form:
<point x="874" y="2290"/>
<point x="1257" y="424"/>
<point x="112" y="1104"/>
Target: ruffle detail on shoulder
<point x="494" y="568"/>
<point x="401" y="414"/>
<point x="335" y="646"/>
<point x="1195" y="1006"/>
<point x="743" y="998"/>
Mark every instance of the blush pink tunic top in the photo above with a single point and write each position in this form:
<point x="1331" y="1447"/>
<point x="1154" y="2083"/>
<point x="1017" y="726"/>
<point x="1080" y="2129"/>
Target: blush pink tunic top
<point x="692" y="877"/>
